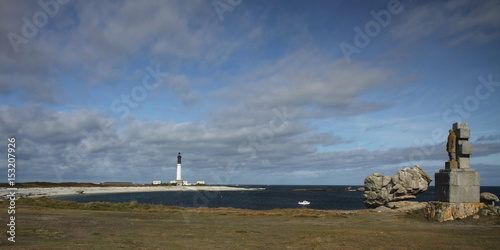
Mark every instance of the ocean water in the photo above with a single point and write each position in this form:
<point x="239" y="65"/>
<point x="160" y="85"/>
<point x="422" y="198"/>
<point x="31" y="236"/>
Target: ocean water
<point x="269" y="197"/>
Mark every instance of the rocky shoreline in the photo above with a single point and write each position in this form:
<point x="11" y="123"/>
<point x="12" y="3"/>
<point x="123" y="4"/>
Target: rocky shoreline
<point x="65" y="191"/>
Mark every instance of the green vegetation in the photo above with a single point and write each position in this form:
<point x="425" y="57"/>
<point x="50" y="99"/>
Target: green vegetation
<point x="102" y="206"/>
<point x="62" y="184"/>
<point x="50" y="224"/>
<point x="51" y="184"/>
<point x="165" y="184"/>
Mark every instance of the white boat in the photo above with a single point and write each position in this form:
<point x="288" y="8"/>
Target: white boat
<point x="304" y="202"/>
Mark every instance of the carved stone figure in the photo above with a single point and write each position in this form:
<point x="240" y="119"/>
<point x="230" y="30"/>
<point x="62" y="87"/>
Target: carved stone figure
<point x="458" y="182"/>
<point x="451" y="146"/>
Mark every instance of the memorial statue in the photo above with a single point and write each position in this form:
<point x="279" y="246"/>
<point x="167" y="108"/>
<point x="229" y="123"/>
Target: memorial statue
<point x="458" y="182"/>
<point x="451" y="146"/>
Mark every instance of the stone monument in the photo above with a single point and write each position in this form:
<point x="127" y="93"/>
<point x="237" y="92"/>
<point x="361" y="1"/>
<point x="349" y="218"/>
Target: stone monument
<point x="457" y="182"/>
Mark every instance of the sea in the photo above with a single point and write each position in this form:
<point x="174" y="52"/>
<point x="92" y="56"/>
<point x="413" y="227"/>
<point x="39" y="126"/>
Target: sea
<point x="264" y="197"/>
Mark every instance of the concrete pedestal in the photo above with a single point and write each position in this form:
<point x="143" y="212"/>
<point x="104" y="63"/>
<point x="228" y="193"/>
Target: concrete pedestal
<point x="457" y="185"/>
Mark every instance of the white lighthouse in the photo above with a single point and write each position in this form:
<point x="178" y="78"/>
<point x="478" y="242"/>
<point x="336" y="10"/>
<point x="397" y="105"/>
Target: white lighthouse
<point x="179" y="169"/>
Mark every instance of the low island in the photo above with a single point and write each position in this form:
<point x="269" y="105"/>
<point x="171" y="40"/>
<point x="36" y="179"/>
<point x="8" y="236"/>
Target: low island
<point x="44" y="189"/>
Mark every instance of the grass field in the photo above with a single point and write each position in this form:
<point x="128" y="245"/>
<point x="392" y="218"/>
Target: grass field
<point x="50" y="224"/>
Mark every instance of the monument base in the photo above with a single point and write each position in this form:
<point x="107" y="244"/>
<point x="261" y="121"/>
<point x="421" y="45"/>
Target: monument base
<point x="457" y="185"/>
<point x="179" y="182"/>
<point x="444" y="211"/>
<point x="451" y="165"/>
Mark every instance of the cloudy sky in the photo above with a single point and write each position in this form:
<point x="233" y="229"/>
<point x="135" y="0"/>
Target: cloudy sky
<point x="251" y="92"/>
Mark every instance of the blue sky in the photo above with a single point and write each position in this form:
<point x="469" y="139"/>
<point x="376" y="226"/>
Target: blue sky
<point x="251" y="92"/>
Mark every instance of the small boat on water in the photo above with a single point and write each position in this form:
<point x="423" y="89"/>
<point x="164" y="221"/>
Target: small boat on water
<point x="304" y="202"/>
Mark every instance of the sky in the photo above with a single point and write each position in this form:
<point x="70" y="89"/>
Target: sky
<point x="250" y="92"/>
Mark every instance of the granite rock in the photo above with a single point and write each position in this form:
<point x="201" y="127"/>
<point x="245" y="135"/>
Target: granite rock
<point x="404" y="185"/>
<point x="406" y="206"/>
<point x="445" y="211"/>
<point x="383" y="209"/>
<point x="488" y="198"/>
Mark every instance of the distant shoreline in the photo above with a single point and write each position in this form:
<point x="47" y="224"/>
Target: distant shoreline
<point x="36" y="192"/>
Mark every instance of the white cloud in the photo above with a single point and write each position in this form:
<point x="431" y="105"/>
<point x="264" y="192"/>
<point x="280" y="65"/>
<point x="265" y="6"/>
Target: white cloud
<point x="63" y="146"/>
<point x="456" y="21"/>
<point x="266" y="84"/>
<point x="306" y="83"/>
<point x="99" y="42"/>
<point x="181" y="85"/>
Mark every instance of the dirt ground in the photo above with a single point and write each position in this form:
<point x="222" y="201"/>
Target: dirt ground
<point x="39" y="227"/>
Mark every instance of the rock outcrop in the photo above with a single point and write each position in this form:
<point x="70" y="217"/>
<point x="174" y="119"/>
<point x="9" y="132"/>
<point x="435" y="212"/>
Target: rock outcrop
<point x="404" y="185"/>
<point x="489" y="198"/>
<point x="406" y="206"/>
<point x="444" y="211"/>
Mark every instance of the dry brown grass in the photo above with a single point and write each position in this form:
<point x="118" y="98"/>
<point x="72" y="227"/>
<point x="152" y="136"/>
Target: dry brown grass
<point x="40" y="226"/>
